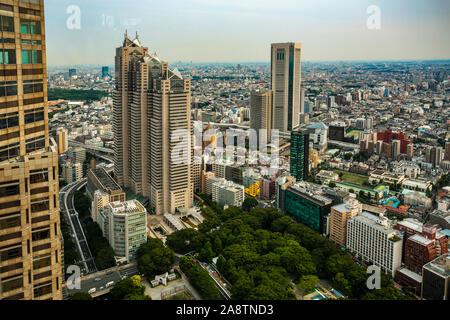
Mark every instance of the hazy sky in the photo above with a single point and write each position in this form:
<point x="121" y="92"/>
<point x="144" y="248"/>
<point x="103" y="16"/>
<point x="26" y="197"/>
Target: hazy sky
<point x="242" y="30"/>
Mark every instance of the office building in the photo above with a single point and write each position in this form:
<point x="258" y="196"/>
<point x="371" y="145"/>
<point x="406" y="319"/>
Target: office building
<point x="227" y="193"/>
<point x="62" y="139"/>
<point x="77" y="154"/>
<point x="124" y="224"/>
<point x="30" y="239"/>
<point x="72" y="172"/>
<point x="99" y="179"/>
<point x="105" y="72"/>
<point x="307" y="203"/>
<point x="99" y="202"/>
<point x="72" y="73"/>
<point x="299" y="159"/>
<point x="339" y="216"/>
<point x="336" y="131"/>
<point x="447" y="151"/>
<point x="261" y="111"/>
<point x="286" y="82"/>
<point x="371" y="238"/>
<point x="436" y="279"/>
<point x="152" y="123"/>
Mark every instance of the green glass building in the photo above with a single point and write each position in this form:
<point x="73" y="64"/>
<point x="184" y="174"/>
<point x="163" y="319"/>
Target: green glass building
<point x="307" y="207"/>
<point x="300" y="155"/>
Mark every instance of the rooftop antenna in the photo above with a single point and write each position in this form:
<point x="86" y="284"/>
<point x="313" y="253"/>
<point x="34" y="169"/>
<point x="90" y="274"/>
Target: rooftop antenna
<point x="137" y="36"/>
<point x="126" y="33"/>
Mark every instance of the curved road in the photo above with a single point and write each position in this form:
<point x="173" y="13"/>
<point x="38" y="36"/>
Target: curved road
<point x="68" y="209"/>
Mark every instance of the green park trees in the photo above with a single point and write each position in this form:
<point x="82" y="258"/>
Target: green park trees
<point x="129" y="289"/>
<point x="153" y="258"/>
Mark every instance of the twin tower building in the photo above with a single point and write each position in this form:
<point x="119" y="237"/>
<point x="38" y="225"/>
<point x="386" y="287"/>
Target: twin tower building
<point x="153" y="103"/>
<point x="152" y="120"/>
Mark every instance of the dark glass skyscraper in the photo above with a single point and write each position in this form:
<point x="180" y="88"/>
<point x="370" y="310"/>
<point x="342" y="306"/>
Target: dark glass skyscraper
<point x="300" y="154"/>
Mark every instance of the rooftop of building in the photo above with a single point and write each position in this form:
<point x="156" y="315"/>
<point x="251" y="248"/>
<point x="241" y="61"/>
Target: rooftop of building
<point x="378" y="222"/>
<point x="440" y="265"/>
<point x="420" y="239"/>
<point x="411" y="223"/>
<point x="346" y="207"/>
<point x="311" y="191"/>
<point x="106" y="180"/>
<point x="415" y="276"/>
<point x="127" y="207"/>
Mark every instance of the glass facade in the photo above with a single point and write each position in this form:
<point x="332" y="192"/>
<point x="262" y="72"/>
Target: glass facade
<point x="306" y="211"/>
<point x="299" y="160"/>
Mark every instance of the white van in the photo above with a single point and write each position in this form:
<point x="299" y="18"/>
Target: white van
<point x="91" y="291"/>
<point x="109" y="284"/>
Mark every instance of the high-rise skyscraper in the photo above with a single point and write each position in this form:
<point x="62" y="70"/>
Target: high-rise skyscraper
<point x="30" y="239"/>
<point x="151" y="106"/>
<point x="261" y="111"/>
<point x="299" y="159"/>
<point x="286" y="81"/>
<point x="72" y="73"/>
<point x="105" y="71"/>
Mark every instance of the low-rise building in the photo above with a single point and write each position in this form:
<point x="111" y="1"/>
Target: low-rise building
<point x="227" y="193"/>
<point x="124" y="225"/>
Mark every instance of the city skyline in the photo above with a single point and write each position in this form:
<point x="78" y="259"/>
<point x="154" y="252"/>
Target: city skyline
<point x="408" y="31"/>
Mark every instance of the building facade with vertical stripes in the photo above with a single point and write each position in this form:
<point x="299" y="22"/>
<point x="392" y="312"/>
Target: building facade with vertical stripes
<point x="152" y="120"/>
<point x="30" y="239"/>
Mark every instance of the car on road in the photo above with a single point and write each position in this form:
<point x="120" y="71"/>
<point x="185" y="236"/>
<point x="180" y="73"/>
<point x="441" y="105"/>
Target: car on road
<point x="102" y="288"/>
<point x="92" y="290"/>
<point x="97" y="279"/>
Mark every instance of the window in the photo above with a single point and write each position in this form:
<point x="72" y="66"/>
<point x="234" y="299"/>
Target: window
<point x="41" y="233"/>
<point x="11" y="190"/>
<point x="42" y="261"/>
<point x="41" y="247"/>
<point x="40" y="219"/>
<point x="39" y="205"/>
<point x="11" y="267"/>
<point x="9" y="120"/>
<point x="39" y="190"/>
<point x="29" y="11"/>
<point x="43" y="289"/>
<point x="7" y="56"/>
<point x="33" y="86"/>
<point x="12" y="283"/>
<point x="7" y="40"/>
<point x="42" y="275"/>
<point x="8" y="152"/>
<point x="34" y="144"/>
<point x="31" y="42"/>
<point x="11" y="252"/>
<point x="30" y="26"/>
<point x="10" y="220"/>
<point x="31" y="56"/>
<point x="38" y="176"/>
<point x="34" y="115"/>
<point x="8" y="88"/>
<point x="31" y="1"/>
<point x="6" y="23"/>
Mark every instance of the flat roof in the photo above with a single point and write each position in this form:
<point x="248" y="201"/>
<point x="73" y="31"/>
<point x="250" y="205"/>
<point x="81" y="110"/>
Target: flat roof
<point x="439" y="265"/>
<point x="415" y="276"/>
<point x="420" y="239"/>
<point x="106" y="180"/>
